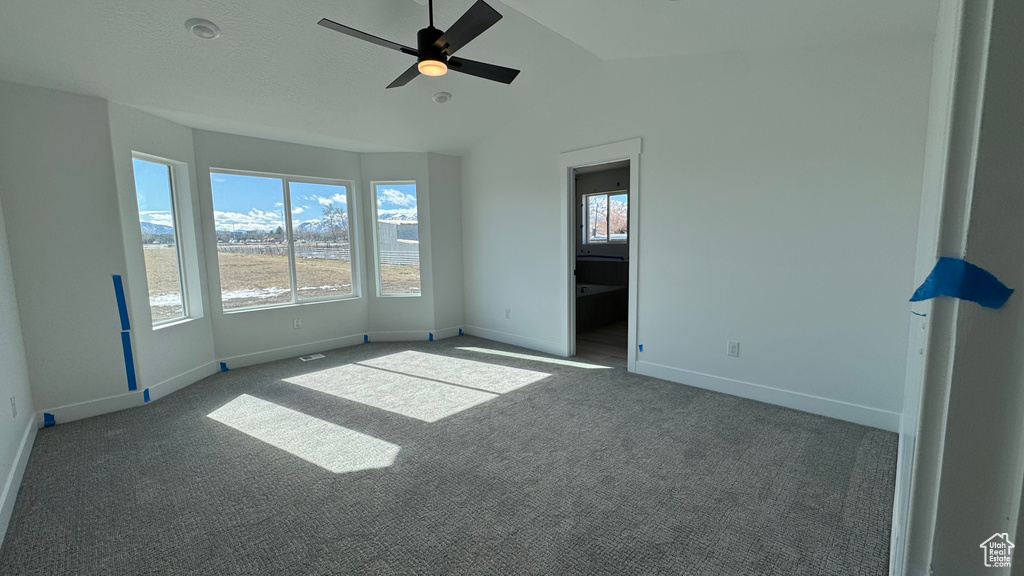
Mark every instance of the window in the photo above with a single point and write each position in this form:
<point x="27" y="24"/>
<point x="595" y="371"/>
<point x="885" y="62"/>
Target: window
<point x="607" y="217"/>
<point x="266" y="259"/>
<point x="154" y="191"/>
<point x="397" y="238"/>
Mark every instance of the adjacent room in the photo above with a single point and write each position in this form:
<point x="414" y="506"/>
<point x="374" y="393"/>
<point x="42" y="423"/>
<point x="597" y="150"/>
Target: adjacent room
<point x="617" y="288"/>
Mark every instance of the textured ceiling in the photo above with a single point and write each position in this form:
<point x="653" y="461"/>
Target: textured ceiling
<point x="274" y="73"/>
<point x="643" y="28"/>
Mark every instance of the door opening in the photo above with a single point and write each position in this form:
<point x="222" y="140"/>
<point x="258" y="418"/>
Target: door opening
<point x="600" y="211"/>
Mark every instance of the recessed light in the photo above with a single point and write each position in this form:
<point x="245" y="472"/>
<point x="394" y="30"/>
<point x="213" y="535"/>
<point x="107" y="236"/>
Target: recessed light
<point x="441" y="97"/>
<point x="202" y="28"/>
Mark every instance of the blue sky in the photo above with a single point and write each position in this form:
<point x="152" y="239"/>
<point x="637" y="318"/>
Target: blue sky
<point x="153" y="190"/>
<point x="256" y="203"/>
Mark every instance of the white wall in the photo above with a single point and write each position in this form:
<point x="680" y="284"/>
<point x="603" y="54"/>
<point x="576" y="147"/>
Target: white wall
<point x="446" y="243"/>
<point x="16" y="432"/>
<point x="58" y="190"/>
<point x="254" y="336"/>
<point x="779" y="199"/>
<point x="179" y="354"/>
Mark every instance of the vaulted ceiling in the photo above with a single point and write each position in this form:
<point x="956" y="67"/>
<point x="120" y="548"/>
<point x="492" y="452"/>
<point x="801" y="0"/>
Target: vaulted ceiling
<point x="274" y="73"/>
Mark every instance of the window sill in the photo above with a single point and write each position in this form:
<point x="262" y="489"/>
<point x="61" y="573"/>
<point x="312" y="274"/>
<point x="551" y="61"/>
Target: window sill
<point x="173" y="323"/>
<point x="289" y="305"/>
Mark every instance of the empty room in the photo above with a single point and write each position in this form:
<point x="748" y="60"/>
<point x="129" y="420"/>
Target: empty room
<point x="511" y="287"/>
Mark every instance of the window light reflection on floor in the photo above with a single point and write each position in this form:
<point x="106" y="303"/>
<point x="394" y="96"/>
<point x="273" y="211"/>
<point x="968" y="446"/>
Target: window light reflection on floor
<point x="403" y="394"/>
<point x="480" y="375"/>
<point x="325" y="444"/>
<point x="534" y="358"/>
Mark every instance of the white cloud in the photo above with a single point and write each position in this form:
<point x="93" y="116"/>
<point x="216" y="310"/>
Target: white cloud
<point x="298" y="210"/>
<point x="254" y="220"/>
<point x="163" y="217"/>
<point x="394" y="197"/>
<point x="327" y="201"/>
<point x="278" y="203"/>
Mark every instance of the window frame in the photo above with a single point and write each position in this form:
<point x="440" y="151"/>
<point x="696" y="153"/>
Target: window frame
<point x="607" y="217"/>
<point x="376" y="236"/>
<point x="353" y="236"/>
<point x="174" y="168"/>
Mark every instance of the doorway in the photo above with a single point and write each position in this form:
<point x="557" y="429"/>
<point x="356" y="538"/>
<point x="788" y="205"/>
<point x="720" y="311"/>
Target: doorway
<point x="601" y="218"/>
<point x="602" y="262"/>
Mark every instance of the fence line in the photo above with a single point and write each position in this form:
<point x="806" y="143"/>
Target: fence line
<point x="390" y="257"/>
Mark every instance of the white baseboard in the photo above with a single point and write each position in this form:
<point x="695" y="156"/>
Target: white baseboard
<point x="516" y="340"/>
<point x="443" y="333"/>
<point x="293" y="351"/>
<point x="855" y="413"/>
<point x="400" y="336"/>
<point x="13" y="480"/>
<point x="182" y="380"/>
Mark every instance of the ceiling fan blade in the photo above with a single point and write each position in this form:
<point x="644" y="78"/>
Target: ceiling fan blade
<point x="481" y="70"/>
<point x="331" y="24"/>
<point x="478" y="18"/>
<point x="406" y="76"/>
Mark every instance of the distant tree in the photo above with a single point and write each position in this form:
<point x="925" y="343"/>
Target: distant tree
<point x="333" y="219"/>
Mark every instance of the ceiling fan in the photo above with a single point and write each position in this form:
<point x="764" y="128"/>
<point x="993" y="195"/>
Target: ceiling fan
<point x="435" y="48"/>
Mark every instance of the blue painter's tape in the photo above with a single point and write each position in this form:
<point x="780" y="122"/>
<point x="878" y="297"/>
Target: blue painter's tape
<point x="48" y="420"/>
<point x="957" y="278"/>
<point x="431" y="336"/>
<point x="129" y="360"/>
<point x="461" y="332"/>
<point x="223" y="367"/>
<point x="145" y="395"/>
<point x="918" y="314"/>
<point x="641" y="347"/>
<point x="366" y="338"/>
<point x="122" y="304"/>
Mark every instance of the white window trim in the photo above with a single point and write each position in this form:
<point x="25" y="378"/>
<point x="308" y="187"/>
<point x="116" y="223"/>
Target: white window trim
<point x="175" y="170"/>
<point x="607" y="217"/>
<point x="353" y="242"/>
<point x="376" y="236"/>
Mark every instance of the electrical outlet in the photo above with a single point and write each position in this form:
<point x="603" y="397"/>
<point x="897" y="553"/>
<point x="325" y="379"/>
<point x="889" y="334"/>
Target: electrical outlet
<point x="297" y="323"/>
<point x="14" y="408"/>
<point x="734" y="348"/>
<point x="508" y="313"/>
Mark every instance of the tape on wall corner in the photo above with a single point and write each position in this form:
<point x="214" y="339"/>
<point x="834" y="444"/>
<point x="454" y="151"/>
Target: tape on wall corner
<point x="641" y="347"/>
<point x="366" y="338"/>
<point x="48" y="420"/>
<point x="122" y="304"/>
<point x="129" y="360"/>
<point x="145" y="395"/>
<point x="461" y="333"/>
<point x="956" y="278"/>
<point x="223" y="367"/>
<point x="430" y="336"/>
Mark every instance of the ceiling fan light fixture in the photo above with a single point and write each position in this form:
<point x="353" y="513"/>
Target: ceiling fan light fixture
<point x="432" y="67"/>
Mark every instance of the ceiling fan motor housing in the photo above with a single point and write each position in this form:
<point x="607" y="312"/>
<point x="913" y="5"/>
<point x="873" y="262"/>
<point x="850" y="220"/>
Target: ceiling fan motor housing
<point x="426" y="40"/>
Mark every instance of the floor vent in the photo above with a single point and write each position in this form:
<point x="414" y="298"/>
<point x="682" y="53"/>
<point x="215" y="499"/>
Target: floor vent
<point x="311" y="357"/>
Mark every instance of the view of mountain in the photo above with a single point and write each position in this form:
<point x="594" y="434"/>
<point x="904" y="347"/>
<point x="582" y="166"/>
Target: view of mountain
<point x="155" y="229"/>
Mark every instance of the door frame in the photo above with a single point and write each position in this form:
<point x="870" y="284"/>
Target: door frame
<point x="567" y="162"/>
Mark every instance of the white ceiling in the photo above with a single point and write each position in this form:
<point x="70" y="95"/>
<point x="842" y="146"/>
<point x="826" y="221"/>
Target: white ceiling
<point x="615" y="29"/>
<point x="274" y="73"/>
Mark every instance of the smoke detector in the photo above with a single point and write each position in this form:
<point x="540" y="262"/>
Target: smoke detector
<point x="202" y="28"/>
<point x="441" y="97"/>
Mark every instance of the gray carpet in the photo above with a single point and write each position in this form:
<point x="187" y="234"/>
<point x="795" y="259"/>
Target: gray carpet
<point x="578" y="472"/>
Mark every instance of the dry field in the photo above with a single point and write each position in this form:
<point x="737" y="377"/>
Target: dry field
<point x="259" y="279"/>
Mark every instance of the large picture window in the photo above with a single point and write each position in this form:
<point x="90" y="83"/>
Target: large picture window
<point x="267" y="258"/>
<point x="397" y="238"/>
<point x="154" y="191"/>
<point x="606" y="217"/>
